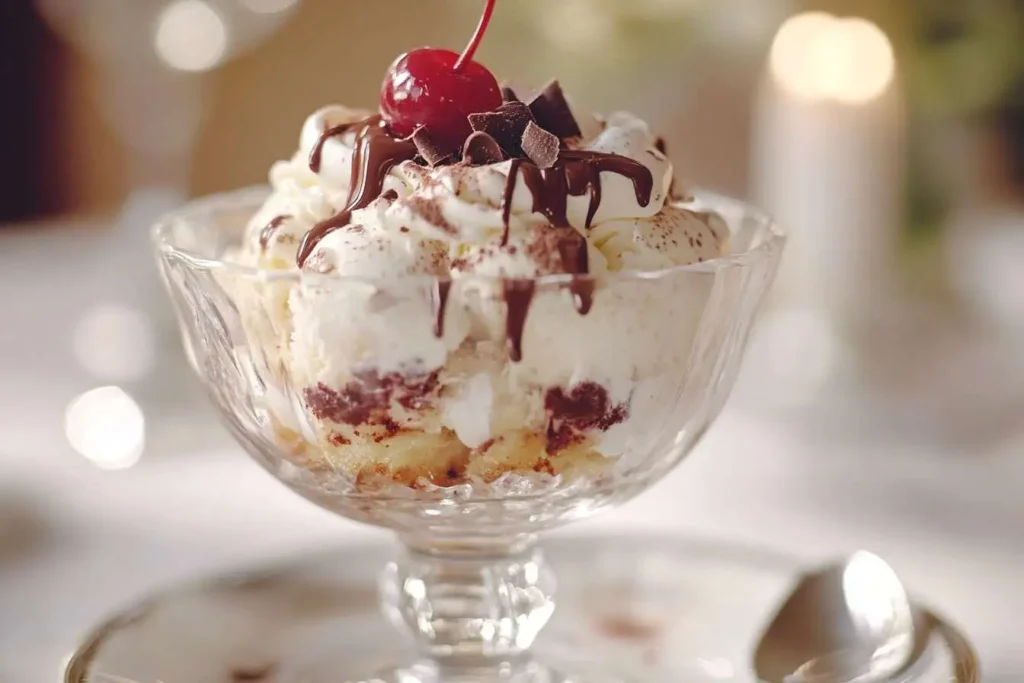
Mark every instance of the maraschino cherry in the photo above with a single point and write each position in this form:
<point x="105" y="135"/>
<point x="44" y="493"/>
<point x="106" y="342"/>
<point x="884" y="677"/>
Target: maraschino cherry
<point x="438" y="89"/>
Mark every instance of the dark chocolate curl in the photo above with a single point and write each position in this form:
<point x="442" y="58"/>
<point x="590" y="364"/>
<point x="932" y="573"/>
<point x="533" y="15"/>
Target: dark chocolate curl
<point x="433" y="151"/>
<point x="553" y="114"/>
<point x="505" y="124"/>
<point x="482" y="150"/>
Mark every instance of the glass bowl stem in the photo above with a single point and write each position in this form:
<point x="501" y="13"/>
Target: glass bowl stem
<point x="473" y="609"/>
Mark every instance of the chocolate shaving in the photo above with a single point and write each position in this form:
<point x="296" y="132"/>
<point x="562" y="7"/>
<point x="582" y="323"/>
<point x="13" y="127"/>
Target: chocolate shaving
<point x="509" y="95"/>
<point x="431" y="148"/>
<point x="540" y="146"/>
<point x="505" y="124"/>
<point x="481" y="150"/>
<point x="552" y="112"/>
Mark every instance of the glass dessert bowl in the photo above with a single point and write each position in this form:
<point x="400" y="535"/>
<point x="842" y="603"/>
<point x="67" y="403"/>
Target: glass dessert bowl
<point x="467" y="318"/>
<point x="470" y="457"/>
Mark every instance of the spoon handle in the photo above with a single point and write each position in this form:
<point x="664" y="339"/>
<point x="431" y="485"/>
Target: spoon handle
<point x="965" y="660"/>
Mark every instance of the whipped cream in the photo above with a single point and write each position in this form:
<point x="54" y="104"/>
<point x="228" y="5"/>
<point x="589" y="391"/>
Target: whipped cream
<point x="461" y="205"/>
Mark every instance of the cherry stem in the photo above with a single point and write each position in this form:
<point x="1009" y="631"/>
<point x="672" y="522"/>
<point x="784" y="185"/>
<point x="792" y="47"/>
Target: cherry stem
<point x="481" y="29"/>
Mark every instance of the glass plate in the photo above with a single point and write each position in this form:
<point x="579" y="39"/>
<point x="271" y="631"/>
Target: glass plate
<point x="647" y="608"/>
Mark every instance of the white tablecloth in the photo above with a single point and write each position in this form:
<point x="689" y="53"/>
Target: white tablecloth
<point x="87" y="541"/>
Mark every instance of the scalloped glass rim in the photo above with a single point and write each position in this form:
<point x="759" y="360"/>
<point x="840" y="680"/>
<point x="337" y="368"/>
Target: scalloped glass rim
<point x="763" y="234"/>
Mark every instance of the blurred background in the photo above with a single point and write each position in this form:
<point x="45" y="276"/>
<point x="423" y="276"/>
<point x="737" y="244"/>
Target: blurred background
<point x="882" y="404"/>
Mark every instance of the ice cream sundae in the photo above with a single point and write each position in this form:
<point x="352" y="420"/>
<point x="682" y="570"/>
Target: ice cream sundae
<point x="461" y="314"/>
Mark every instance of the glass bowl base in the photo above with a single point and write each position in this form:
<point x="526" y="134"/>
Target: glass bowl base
<point x="332" y="671"/>
<point x="634" y="609"/>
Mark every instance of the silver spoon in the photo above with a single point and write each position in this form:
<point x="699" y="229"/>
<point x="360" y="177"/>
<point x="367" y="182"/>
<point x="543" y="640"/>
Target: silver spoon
<point x="847" y="623"/>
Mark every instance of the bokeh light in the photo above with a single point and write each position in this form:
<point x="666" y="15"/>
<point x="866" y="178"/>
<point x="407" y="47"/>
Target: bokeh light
<point x="107" y="427"/>
<point x="191" y="36"/>
<point x="269" y="6"/>
<point x="817" y="56"/>
<point x="114" y="343"/>
<point x="589" y="27"/>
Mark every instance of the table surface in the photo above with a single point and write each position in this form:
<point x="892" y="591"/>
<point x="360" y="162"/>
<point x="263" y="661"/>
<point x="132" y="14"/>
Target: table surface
<point x="77" y="542"/>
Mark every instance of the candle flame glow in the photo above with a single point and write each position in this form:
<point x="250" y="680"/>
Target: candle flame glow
<point x="820" y="57"/>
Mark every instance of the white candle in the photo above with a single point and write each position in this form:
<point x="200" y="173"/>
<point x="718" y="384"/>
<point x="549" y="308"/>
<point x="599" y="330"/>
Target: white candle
<point x="829" y="162"/>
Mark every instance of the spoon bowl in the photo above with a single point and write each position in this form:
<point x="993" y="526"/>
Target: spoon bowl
<point x="850" y="622"/>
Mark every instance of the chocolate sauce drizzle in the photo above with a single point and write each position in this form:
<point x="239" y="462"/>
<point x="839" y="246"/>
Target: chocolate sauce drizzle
<point x="582" y="286"/>
<point x="316" y="155"/>
<point x="267" y="233"/>
<point x="575" y="174"/>
<point x="518" y="297"/>
<point x="506" y="200"/>
<point x="582" y="290"/>
<point x="442" y="289"/>
<point x="376" y="153"/>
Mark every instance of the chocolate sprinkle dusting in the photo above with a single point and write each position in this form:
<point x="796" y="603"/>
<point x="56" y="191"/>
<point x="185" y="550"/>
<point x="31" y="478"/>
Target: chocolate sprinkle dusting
<point x="540" y="146"/>
<point x="482" y="150"/>
<point x="431" y="212"/>
<point x="552" y="112"/>
<point x="558" y="250"/>
<point x="505" y="124"/>
<point x="433" y="151"/>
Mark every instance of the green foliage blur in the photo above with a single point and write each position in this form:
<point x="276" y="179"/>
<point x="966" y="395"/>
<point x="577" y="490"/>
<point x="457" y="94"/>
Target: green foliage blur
<point x="966" y="56"/>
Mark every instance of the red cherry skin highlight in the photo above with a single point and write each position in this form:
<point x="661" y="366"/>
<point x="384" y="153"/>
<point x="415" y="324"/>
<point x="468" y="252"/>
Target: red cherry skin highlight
<point x="421" y="89"/>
